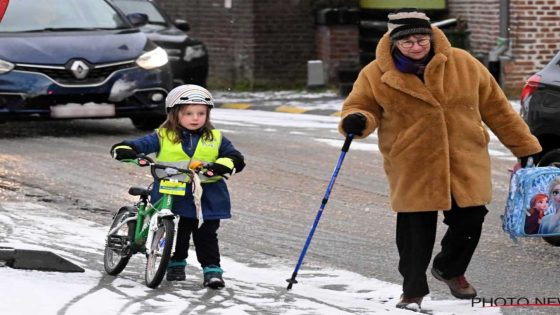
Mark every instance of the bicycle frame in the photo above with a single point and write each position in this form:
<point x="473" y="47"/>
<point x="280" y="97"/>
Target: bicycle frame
<point x="144" y="230"/>
<point x="161" y="209"/>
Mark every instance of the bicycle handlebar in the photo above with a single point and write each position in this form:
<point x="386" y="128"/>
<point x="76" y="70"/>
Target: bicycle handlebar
<point x="143" y="160"/>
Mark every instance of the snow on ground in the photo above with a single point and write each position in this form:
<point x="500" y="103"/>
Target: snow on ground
<point x="249" y="290"/>
<point x="301" y="99"/>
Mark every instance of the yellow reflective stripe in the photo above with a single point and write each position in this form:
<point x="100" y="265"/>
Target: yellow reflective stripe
<point x="225" y="162"/>
<point x="172" y="188"/>
<point x="122" y="147"/>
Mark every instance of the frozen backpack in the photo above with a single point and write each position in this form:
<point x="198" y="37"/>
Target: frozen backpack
<point x="533" y="204"/>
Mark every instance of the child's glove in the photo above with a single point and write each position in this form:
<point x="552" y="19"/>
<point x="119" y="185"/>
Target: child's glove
<point x="121" y="151"/>
<point x="222" y="167"/>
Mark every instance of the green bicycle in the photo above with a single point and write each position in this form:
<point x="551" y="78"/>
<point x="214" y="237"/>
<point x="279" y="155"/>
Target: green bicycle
<point x="147" y="228"/>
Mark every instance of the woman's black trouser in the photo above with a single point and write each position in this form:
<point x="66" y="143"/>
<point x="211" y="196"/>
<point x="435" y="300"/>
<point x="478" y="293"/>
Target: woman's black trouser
<point x="205" y="241"/>
<point x="416" y="233"/>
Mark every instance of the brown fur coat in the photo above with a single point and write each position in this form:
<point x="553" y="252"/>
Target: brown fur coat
<point x="432" y="134"/>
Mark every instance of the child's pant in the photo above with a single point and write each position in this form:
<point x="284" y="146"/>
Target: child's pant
<point x="416" y="233"/>
<point x="205" y="241"/>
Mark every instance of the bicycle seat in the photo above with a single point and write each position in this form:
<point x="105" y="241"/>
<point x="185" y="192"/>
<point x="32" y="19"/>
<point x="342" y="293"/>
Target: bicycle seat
<point x="139" y="191"/>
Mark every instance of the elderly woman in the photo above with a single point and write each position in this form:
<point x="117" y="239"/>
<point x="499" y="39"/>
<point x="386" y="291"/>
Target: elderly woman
<point x="432" y="104"/>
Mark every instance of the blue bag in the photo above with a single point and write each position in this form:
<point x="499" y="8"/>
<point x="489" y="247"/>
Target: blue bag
<point x="533" y="204"/>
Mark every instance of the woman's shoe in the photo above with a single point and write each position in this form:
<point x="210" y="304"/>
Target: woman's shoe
<point x="459" y="286"/>
<point x="410" y="303"/>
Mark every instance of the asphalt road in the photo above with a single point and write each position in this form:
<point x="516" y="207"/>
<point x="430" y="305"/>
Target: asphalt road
<point x="275" y="200"/>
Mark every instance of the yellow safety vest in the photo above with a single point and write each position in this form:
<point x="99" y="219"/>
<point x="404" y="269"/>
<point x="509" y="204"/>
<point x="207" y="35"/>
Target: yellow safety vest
<point x="172" y="153"/>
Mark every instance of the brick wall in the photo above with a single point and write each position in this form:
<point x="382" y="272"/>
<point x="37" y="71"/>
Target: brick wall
<point x="534" y="33"/>
<point x="284" y="41"/>
<point x="255" y="42"/>
<point x="338" y="47"/>
<point x="483" y="19"/>
<point x="227" y="32"/>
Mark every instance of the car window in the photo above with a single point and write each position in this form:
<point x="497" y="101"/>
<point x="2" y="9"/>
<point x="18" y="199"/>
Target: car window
<point x="128" y="7"/>
<point x="37" y="15"/>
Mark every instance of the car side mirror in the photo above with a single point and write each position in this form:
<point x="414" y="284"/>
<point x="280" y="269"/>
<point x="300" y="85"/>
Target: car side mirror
<point x="182" y="25"/>
<point x="137" y="19"/>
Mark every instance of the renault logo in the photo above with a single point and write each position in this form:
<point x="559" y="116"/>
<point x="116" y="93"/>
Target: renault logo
<point x="80" y="69"/>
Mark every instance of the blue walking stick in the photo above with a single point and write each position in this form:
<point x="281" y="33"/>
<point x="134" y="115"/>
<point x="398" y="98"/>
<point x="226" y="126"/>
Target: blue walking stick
<point x="344" y="149"/>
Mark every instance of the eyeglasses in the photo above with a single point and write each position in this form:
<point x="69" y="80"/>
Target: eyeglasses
<point x="555" y="192"/>
<point x="410" y="43"/>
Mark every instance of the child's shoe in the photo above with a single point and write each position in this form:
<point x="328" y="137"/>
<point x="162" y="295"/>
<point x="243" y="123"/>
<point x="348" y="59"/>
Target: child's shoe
<point x="176" y="270"/>
<point x="213" y="277"/>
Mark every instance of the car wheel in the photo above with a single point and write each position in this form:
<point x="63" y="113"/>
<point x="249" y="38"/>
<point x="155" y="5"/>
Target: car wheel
<point x="551" y="158"/>
<point x="147" y="123"/>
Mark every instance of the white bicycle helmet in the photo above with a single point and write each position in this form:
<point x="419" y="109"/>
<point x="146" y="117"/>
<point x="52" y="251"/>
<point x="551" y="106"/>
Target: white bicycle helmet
<point x="188" y="94"/>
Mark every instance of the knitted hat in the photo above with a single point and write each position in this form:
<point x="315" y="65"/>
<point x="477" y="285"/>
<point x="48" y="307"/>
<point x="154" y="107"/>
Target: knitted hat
<point x="408" y="21"/>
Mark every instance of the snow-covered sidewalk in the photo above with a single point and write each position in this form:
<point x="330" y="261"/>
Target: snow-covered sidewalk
<point x="256" y="289"/>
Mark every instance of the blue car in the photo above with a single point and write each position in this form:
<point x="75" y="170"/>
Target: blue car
<point x="67" y="59"/>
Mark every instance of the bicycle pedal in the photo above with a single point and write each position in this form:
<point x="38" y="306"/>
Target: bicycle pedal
<point x="117" y="242"/>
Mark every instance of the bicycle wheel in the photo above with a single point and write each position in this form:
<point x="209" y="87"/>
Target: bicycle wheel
<point x="117" y="246"/>
<point x="160" y="252"/>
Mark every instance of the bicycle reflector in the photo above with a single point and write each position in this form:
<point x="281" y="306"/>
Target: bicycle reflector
<point x="143" y="162"/>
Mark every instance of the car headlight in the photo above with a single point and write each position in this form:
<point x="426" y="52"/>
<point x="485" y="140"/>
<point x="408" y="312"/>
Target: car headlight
<point x="5" y="66"/>
<point x="152" y="59"/>
<point x="195" y="51"/>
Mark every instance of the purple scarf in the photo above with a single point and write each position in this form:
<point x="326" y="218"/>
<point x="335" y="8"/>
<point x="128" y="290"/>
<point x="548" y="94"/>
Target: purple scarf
<point x="407" y="65"/>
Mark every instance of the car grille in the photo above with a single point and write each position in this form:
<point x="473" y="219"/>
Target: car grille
<point x="65" y="77"/>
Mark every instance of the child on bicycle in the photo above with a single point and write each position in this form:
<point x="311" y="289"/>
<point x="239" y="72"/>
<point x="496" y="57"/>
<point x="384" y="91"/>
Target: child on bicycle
<point x="187" y="137"/>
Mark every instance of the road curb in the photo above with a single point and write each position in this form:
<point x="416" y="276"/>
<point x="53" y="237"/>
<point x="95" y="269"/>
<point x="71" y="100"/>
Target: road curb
<point x="279" y="108"/>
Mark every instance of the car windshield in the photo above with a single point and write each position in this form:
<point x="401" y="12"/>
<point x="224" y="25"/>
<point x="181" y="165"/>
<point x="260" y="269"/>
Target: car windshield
<point x="40" y="15"/>
<point x="131" y="6"/>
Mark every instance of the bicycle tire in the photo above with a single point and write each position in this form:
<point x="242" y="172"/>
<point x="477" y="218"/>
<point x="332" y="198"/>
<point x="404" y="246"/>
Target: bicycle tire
<point x="160" y="252"/>
<point x="551" y="158"/>
<point x="114" y="261"/>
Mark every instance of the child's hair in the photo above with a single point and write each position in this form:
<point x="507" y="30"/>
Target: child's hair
<point x="172" y="125"/>
<point x="536" y="198"/>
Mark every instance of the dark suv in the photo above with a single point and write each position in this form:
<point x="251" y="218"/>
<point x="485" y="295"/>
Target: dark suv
<point x="540" y="108"/>
<point x="63" y="59"/>
<point x="188" y="56"/>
